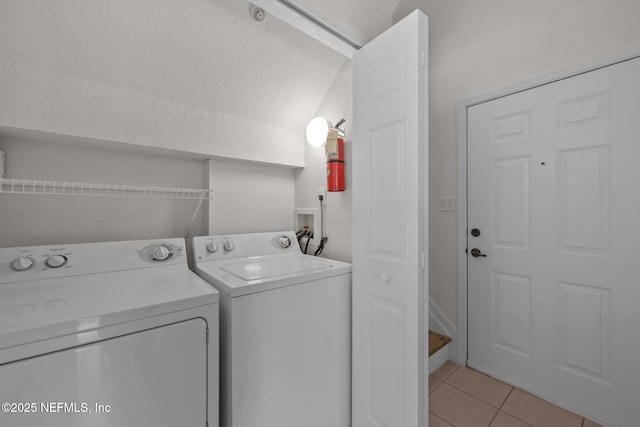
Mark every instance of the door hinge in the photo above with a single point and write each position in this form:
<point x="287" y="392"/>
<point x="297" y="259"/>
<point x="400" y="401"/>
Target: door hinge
<point x="423" y="59"/>
<point x="423" y="260"/>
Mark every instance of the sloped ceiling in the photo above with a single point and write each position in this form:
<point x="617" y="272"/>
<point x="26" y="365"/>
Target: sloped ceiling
<point x="363" y="20"/>
<point x="191" y="75"/>
<point x="344" y="26"/>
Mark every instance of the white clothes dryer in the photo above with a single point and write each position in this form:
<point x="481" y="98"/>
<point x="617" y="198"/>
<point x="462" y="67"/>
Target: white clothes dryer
<point x="106" y="334"/>
<point x="285" y="330"/>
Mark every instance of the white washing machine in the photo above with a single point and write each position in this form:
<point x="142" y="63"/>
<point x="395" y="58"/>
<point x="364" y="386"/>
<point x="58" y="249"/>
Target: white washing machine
<point x="285" y="331"/>
<point x="107" y="334"/>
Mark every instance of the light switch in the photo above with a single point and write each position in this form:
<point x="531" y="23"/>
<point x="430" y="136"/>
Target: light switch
<point x="447" y="204"/>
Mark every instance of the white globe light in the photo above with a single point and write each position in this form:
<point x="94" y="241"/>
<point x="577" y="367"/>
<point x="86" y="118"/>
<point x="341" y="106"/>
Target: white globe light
<point x="317" y="131"/>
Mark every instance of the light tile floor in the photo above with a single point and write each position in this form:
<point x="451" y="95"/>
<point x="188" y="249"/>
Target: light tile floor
<point x="462" y="397"/>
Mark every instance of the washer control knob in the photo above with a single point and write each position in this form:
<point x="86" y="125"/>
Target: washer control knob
<point x="56" y="261"/>
<point x="284" y="242"/>
<point x="228" y="245"/>
<point x="212" y="247"/>
<point x="160" y="253"/>
<point x="22" y="263"/>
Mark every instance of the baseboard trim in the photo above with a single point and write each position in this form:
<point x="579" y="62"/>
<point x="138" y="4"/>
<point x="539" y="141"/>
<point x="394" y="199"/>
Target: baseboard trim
<point x="438" y="358"/>
<point x="440" y="323"/>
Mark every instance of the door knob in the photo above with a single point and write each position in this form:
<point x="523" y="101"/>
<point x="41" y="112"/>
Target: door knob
<point x="475" y="252"/>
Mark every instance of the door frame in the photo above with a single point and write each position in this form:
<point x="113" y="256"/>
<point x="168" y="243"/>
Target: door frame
<point x="462" y="306"/>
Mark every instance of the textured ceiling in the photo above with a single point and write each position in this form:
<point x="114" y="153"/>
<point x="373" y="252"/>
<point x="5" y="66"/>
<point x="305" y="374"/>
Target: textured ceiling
<point x="142" y="69"/>
<point x="192" y="75"/>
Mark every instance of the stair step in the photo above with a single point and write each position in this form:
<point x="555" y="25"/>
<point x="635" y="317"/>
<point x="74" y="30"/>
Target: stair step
<point x="436" y="342"/>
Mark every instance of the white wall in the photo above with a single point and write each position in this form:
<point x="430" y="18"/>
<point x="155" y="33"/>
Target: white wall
<point x="479" y="46"/>
<point x="247" y="197"/>
<point x="251" y="197"/>
<point x="190" y="75"/>
<point x="337" y="104"/>
<point x="45" y="219"/>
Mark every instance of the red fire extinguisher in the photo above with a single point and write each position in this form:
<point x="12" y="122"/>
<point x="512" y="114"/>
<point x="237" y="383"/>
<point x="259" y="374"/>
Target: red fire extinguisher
<point x="335" y="161"/>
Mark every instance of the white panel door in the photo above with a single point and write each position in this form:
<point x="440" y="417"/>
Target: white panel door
<point x="389" y="172"/>
<point x="553" y="190"/>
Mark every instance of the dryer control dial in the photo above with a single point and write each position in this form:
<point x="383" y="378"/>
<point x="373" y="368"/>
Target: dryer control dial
<point x="22" y="263"/>
<point x="212" y="247"/>
<point x="228" y="245"/>
<point x="284" y="242"/>
<point x="56" y="261"/>
<point x="160" y="253"/>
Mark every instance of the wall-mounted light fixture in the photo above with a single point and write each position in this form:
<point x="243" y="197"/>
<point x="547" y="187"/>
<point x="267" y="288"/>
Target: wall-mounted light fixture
<point x="318" y="131"/>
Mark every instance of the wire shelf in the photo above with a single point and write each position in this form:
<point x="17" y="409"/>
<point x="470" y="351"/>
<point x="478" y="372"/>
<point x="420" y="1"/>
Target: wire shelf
<point x="60" y="188"/>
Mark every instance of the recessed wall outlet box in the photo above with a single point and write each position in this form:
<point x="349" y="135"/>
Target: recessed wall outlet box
<point x="309" y="217"/>
<point x="1" y="164"/>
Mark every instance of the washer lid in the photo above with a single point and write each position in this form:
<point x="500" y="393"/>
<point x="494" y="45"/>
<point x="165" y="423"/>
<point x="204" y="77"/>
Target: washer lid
<point x="266" y="268"/>
<point x="42" y="309"/>
<point x="243" y="276"/>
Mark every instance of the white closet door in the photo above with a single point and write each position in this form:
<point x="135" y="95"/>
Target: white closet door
<point x="389" y="172"/>
<point x="553" y="189"/>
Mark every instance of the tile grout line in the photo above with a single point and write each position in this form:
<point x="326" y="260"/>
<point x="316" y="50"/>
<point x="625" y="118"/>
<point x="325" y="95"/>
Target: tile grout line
<point x="507" y="398"/>
<point x="471" y="395"/>
<point x="553" y="404"/>
<point x="441" y="419"/>
<point x="448" y="376"/>
<point x="513" y="388"/>
<point x="501" y="405"/>
<point x="519" y="419"/>
<point x="462" y="391"/>
<point x="437" y="387"/>
<point x="494" y="418"/>
<point x="499" y="408"/>
<point x="477" y="398"/>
